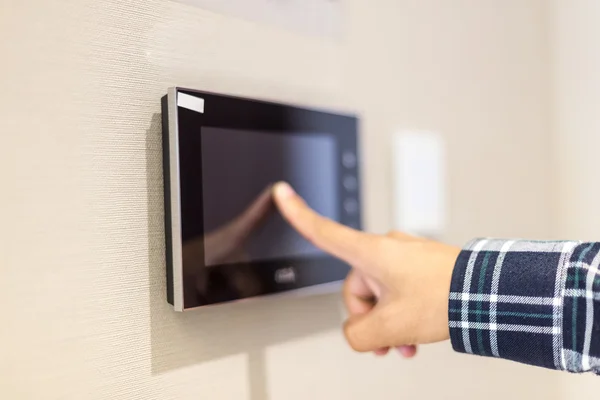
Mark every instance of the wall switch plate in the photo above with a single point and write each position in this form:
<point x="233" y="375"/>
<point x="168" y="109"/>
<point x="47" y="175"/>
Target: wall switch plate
<point x="419" y="176"/>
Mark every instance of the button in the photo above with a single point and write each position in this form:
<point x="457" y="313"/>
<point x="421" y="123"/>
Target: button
<point x="350" y="183"/>
<point x="349" y="159"/>
<point x="351" y="206"/>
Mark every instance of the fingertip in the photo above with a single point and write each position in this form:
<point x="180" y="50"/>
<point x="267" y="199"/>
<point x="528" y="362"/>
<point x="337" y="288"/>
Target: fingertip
<point x="382" y="351"/>
<point x="289" y="204"/>
<point x="282" y="191"/>
<point x="325" y="233"/>
<point x="407" y="351"/>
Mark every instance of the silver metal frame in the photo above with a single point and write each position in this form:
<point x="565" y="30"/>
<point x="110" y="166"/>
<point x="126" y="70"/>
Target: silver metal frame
<point x="177" y="261"/>
<point x="321" y="289"/>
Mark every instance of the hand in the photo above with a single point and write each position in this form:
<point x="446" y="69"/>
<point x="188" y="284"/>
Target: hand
<point x="225" y="246"/>
<point x="397" y="292"/>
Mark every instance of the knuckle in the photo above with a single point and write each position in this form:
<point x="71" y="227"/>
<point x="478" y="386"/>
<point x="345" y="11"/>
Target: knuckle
<point x="388" y="247"/>
<point x="397" y="235"/>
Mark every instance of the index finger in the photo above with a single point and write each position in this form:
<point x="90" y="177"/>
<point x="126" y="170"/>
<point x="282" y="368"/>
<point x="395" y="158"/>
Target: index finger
<point x="345" y="243"/>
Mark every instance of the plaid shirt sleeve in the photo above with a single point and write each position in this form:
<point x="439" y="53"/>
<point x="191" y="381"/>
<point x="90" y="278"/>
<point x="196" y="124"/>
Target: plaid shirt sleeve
<point x="532" y="302"/>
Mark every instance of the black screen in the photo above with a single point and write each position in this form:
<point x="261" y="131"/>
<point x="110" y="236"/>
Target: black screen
<point x="238" y="166"/>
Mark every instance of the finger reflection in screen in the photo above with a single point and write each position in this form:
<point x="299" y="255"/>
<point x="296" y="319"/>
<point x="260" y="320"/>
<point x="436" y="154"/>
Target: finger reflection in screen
<point x="225" y="246"/>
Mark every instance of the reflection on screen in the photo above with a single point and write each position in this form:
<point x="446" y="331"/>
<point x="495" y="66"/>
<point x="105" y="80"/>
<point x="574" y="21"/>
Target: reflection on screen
<point x="238" y="165"/>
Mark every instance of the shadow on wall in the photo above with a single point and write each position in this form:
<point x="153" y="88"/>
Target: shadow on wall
<point x="183" y="339"/>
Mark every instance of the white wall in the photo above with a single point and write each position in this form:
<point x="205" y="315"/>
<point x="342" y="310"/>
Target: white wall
<point x="82" y="241"/>
<point x="575" y="34"/>
<point x="576" y="79"/>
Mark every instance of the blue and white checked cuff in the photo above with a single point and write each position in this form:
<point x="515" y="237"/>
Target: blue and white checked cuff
<point x="528" y="301"/>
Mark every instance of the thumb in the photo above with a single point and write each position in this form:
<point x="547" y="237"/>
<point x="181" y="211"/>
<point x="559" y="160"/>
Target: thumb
<point x="369" y="332"/>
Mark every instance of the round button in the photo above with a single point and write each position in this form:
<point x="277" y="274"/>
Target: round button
<point x="350" y="183"/>
<point x="351" y="206"/>
<point x="349" y="159"/>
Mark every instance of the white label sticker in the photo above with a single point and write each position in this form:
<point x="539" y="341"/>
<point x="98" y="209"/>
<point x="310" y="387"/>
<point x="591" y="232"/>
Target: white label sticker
<point x="190" y="102"/>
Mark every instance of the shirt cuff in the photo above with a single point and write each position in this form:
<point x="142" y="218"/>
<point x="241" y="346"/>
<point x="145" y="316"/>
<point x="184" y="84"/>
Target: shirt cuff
<point x="509" y="299"/>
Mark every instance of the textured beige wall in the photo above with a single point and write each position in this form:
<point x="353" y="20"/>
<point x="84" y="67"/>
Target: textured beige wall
<point x="81" y="291"/>
<point x="575" y="35"/>
<point x="576" y="79"/>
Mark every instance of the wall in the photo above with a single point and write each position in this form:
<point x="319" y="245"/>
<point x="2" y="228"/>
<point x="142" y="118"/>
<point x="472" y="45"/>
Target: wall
<point x="575" y="35"/>
<point x="82" y="241"/>
<point x="576" y="62"/>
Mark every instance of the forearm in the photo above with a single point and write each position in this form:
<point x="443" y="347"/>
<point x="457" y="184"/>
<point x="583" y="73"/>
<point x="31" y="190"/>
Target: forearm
<point x="533" y="302"/>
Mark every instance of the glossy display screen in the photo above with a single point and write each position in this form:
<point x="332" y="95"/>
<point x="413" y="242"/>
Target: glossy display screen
<point x="238" y="168"/>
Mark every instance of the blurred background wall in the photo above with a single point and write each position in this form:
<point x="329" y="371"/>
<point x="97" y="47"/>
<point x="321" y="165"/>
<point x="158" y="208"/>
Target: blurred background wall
<point x="575" y="36"/>
<point x="510" y="84"/>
